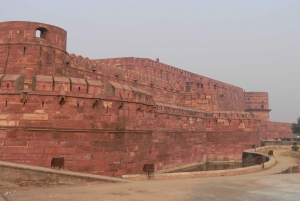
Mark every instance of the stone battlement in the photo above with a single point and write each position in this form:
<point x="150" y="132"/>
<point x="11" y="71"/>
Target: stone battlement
<point x="111" y="116"/>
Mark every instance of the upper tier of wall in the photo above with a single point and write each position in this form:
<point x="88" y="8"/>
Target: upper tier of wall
<point x="274" y="130"/>
<point x="170" y="73"/>
<point x="204" y="96"/>
<point x="258" y="103"/>
<point x="17" y="32"/>
<point x="31" y="48"/>
<point x="76" y="95"/>
<point x="21" y="52"/>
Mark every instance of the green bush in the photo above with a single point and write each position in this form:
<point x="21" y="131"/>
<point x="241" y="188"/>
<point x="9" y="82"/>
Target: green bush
<point x="295" y="148"/>
<point x="286" y="139"/>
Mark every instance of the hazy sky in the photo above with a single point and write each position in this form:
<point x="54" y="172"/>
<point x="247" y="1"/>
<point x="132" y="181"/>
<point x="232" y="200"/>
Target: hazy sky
<point x="253" y="44"/>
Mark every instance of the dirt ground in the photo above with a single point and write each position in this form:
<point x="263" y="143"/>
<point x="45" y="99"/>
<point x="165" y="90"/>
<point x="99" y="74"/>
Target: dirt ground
<point x="263" y="185"/>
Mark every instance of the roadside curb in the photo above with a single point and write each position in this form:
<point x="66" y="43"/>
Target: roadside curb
<point x="12" y="171"/>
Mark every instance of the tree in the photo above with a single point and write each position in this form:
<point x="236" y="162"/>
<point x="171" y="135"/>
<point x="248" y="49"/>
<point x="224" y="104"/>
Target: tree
<point x="296" y="127"/>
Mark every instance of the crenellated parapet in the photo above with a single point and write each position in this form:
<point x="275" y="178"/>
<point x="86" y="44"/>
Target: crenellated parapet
<point x="191" y="81"/>
<point x="127" y="70"/>
<point x="11" y="83"/>
<point x="114" y="71"/>
<point x="186" y="83"/>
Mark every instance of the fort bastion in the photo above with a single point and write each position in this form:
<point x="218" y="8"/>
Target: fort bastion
<point x="112" y="116"/>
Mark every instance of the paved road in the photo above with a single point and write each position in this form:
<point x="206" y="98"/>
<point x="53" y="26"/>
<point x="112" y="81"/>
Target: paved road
<point x="3" y="197"/>
<point x="264" y="185"/>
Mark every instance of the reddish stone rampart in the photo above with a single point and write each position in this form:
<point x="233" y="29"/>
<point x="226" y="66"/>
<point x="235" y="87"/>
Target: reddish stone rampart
<point x="274" y="130"/>
<point x="111" y="116"/>
<point x="109" y="129"/>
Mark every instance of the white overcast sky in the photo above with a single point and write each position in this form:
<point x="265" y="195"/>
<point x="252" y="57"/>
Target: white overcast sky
<point x="253" y="44"/>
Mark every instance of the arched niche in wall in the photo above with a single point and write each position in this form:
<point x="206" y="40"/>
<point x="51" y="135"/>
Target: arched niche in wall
<point x="41" y="33"/>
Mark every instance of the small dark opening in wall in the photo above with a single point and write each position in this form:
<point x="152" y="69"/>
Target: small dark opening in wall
<point x="7" y="85"/>
<point x="78" y="88"/>
<point x="262" y="106"/>
<point x="44" y="86"/>
<point x="24" y="50"/>
<point x="106" y="109"/>
<point x="77" y="106"/>
<point x="215" y="87"/>
<point x="6" y="104"/>
<point x="41" y="33"/>
<point x="42" y="105"/>
<point x="200" y="85"/>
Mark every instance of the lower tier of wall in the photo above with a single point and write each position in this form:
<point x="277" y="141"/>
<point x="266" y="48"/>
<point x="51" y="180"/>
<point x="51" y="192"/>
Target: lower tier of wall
<point x="268" y="162"/>
<point x="274" y="130"/>
<point x="116" y="153"/>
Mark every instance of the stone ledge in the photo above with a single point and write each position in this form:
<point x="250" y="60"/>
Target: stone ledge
<point x="13" y="172"/>
<point x="203" y="174"/>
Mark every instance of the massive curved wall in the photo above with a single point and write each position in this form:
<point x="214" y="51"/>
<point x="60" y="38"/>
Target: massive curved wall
<point x="111" y="116"/>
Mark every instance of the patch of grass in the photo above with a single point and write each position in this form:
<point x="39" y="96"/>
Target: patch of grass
<point x="295" y="148"/>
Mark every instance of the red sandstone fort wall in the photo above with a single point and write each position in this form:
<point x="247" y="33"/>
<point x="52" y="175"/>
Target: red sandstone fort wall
<point x="274" y="130"/>
<point x="226" y="146"/>
<point x="108" y="129"/>
<point x="197" y="90"/>
<point x="185" y="89"/>
<point x="111" y="116"/>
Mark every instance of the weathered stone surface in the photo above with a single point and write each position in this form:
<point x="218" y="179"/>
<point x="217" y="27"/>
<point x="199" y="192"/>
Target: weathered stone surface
<point x="111" y="116"/>
<point x="35" y="116"/>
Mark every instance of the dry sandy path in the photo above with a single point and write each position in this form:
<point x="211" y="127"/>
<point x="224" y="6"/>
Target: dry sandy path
<point x="264" y="185"/>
